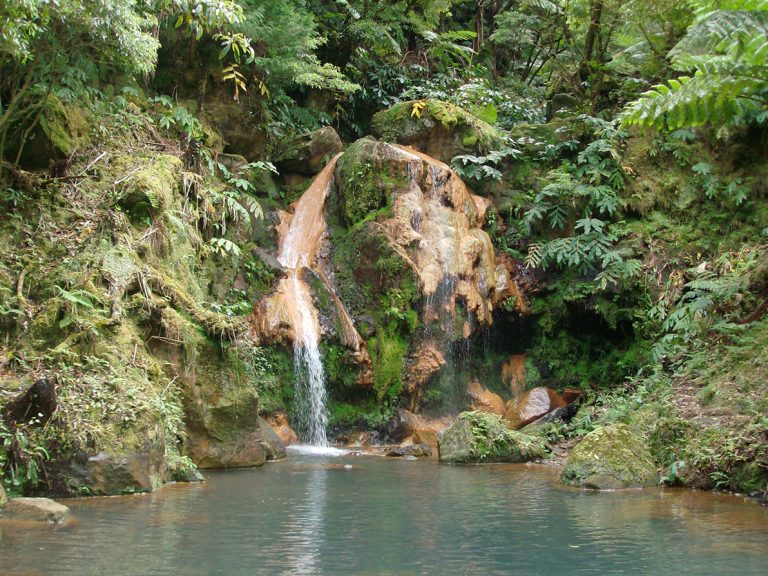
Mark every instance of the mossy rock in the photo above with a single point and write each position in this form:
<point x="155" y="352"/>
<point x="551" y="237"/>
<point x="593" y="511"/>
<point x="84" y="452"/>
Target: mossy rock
<point x="482" y="437"/>
<point x="227" y="125"/>
<point x="441" y="129"/>
<point x="534" y="138"/>
<point x="366" y="175"/>
<point x="138" y="465"/>
<point x="308" y="153"/>
<point x="610" y="458"/>
<point x="150" y="187"/>
<point x="61" y="129"/>
<point x="222" y="414"/>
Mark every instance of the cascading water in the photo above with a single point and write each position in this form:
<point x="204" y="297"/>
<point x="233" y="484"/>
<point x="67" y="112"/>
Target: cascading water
<point x="298" y="249"/>
<point x="456" y="265"/>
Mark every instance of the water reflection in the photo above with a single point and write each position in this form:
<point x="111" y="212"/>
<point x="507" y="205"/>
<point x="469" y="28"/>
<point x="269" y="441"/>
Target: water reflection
<point x="365" y="515"/>
<point x="306" y="525"/>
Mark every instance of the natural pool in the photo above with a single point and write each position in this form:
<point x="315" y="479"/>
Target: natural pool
<point x="316" y="514"/>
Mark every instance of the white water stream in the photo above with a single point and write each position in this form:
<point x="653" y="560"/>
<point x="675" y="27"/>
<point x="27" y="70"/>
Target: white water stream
<point x="297" y="251"/>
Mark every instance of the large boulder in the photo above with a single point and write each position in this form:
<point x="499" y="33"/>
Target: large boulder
<point x="610" y="458"/>
<point x="403" y="425"/>
<point x="440" y="129"/>
<point x="482" y="437"/>
<point x="407" y="426"/>
<point x="241" y="446"/>
<point x="139" y="465"/>
<point x="484" y="400"/>
<point x="62" y="129"/>
<point x="221" y="414"/>
<point x="279" y="423"/>
<point x="36" y="510"/>
<point x="308" y="153"/>
<point x="531" y="406"/>
<point x="3" y="497"/>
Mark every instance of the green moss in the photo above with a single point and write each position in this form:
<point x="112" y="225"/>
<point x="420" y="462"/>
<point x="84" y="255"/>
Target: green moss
<point x="340" y="368"/>
<point x="483" y="437"/>
<point x="610" y="457"/>
<point x="368" y="415"/>
<point x="149" y="187"/>
<point x="366" y="182"/>
<point x="66" y="125"/>
<point x="387" y="353"/>
<point x="399" y="124"/>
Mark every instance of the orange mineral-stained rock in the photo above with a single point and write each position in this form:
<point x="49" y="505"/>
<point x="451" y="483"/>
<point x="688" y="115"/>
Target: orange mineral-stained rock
<point x="419" y="429"/>
<point x="484" y="400"/>
<point x="531" y="406"/>
<point x="513" y="373"/>
<point x="279" y="423"/>
<point x="570" y="395"/>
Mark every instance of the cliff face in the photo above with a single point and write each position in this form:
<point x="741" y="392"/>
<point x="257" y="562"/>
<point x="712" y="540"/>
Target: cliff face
<point x="117" y="286"/>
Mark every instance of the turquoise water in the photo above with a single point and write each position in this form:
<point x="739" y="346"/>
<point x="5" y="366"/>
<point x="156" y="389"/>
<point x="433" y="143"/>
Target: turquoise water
<point x="370" y="515"/>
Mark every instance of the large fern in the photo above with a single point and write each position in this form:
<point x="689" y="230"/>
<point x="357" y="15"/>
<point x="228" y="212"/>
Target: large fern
<point x="725" y="53"/>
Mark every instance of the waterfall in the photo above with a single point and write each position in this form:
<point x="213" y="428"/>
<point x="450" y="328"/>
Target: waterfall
<point x="456" y="264"/>
<point x="298" y="250"/>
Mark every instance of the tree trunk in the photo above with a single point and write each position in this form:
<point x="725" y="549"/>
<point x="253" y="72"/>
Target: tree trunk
<point x="596" y="14"/>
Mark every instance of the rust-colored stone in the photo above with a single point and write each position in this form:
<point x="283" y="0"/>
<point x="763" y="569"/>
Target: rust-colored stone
<point x="531" y="406"/>
<point x="570" y="395"/>
<point x="279" y="424"/>
<point x="484" y="400"/>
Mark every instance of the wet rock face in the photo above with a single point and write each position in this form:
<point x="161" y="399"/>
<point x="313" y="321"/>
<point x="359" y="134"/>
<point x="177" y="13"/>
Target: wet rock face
<point x="308" y="153"/>
<point x="433" y="224"/>
<point x="280" y="425"/>
<point x="484" y="400"/>
<point x="138" y="469"/>
<point x="610" y="458"/>
<point x="481" y="437"/>
<point x="42" y="510"/>
<point x="531" y="406"/>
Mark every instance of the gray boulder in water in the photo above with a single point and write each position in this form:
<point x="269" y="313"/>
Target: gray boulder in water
<point x="36" y="510"/>
<point x="415" y="450"/>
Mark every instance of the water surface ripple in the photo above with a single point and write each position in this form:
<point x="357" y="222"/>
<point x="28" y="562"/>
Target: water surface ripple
<point x="319" y="514"/>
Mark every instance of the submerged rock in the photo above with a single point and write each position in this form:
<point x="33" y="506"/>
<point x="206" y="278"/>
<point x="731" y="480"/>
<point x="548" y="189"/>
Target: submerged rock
<point x="610" y="458"/>
<point x="481" y="437"/>
<point x="36" y="510"/>
<point x="531" y="406"/>
<point x="415" y="450"/>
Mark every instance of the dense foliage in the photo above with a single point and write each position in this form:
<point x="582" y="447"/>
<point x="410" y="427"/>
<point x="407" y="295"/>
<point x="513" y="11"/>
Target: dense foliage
<point x="621" y="147"/>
